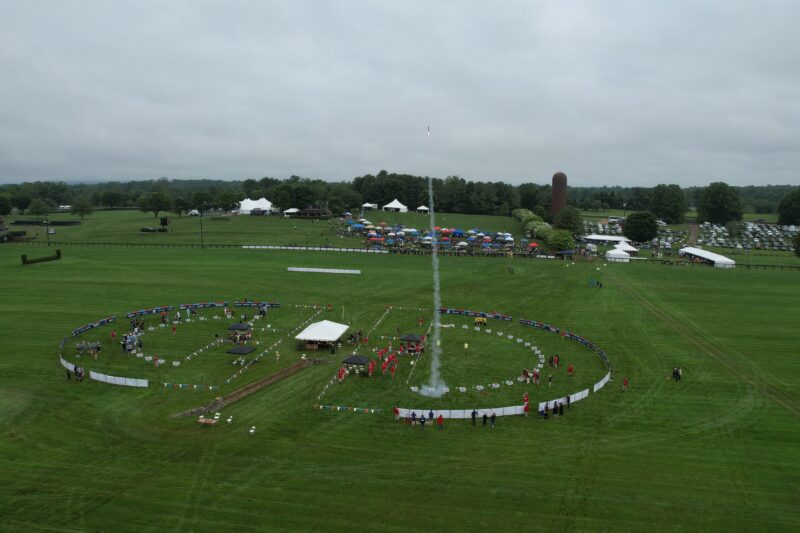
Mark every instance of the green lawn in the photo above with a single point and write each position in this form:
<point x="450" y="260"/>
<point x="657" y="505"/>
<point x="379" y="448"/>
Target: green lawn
<point x="715" y="452"/>
<point x="124" y="227"/>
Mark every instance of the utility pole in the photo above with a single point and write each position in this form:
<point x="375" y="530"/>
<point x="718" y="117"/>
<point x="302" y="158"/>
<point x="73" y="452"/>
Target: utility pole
<point x="47" y="228"/>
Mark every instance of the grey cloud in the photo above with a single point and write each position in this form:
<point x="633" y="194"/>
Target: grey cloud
<point x="629" y="93"/>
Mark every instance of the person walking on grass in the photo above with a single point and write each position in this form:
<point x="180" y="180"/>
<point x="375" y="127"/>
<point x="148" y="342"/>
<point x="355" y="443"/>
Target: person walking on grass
<point x="625" y="384"/>
<point x="494" y="419"/>
<point x="474" y="416"/>
<point x="485" y="419"/>
<point x="440" y="422"/>
<point x="680" y="373"/>
<point x="422" y="421"/>
<point x="561" y="408"/>
<point x="550" y="380"/>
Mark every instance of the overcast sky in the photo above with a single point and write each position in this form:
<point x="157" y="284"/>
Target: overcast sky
<point x="612" y="93"/>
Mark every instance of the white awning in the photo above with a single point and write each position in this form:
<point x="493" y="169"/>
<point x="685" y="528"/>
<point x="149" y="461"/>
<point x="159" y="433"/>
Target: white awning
<point x="625" y="247"/>
<point x="605" y="238"/>
<point x="422" y="208"/>
<point x="719" y="261"/>
<point x="325" y="331"/>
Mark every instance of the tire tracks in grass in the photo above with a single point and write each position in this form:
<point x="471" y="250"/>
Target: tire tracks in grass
<point x="755" y="379"/>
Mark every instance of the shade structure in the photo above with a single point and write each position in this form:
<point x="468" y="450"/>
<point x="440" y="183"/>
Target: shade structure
<point x="239" y="326"/>
<point x="605" y="238"/>
<point x="356" y="360"/>
<point x="241" y="350"/>
<point x="324" y="331"/>
<point x="618" y="256"/>
<point x="625" y="247"/>
<point x="291" y="211"/>
<point x="422" y="209"/>
<point x="410" y="337"/>
<point x="719" y="261"/>
<point x="247" y="205"/>
<point x="395" y="205"/>
<point x="533" y="245"/>
<point x="370" y="206"/>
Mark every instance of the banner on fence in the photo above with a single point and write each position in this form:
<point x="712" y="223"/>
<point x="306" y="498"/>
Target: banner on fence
<point x="87" y="327"/>
<point x="153" y="311"/>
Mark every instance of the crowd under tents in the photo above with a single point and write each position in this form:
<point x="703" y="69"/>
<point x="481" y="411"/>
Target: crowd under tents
<point x="247" y="206"/>
<point x="719" y="261"/>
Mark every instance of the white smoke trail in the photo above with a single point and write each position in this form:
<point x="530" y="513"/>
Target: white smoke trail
<point x="436" y="386"/>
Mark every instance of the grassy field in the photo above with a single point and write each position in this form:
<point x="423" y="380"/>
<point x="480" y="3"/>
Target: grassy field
<point x="717" y="451"/>
<point x="124" y="226"/>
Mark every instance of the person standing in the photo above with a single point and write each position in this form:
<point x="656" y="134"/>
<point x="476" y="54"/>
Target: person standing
<point x="625" y="384"/>
<point x="494" y="419"/>
<point x="396" y="412"/>
<point x="430" y="415"/>
<point x="570" y="370"/>
<point x="550" y="380"/>
<point x="485" y="419"/>
<point x="680" y="373"/>
<point x="474" y="416"/>
<point x="422" y="421"/>
<point x="440" y="422"/>
<point x="555" y="360"/>
<point x="560" y="409"/>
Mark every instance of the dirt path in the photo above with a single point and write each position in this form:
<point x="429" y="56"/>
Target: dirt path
<point x="247" y="390"/>
<point x="692" y="234"/>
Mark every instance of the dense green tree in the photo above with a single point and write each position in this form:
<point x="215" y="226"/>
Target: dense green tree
<point x="789" y="208"/>
<point x="155" y="202"/>
<point x="569" y="219"/>
<point x="202" y="201"/>
<point x="5" y="205"/>
<point x="82" y="206"/>
<point x="113" y="199"/>
<point x="180" y="206"/>
<point x="668" y="203"/>
<point x="227" y="201"/>
<point x="282" y="197"/>
<point x="560" y="240"/>
<point x="38" y="207"/>
<point x="719" y="203"/>
<point x="21" y="201"/>
<point x="336" y="205"/>
<point x="641" y="226"/>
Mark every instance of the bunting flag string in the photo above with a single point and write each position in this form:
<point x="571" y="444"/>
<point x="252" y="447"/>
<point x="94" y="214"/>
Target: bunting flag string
<point x="190" y="386"/>
<point x="339" y="408"/>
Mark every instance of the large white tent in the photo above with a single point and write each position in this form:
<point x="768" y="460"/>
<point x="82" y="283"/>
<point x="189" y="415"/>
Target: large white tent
<point x="325" y="331"/>
<point x="605" y="238"/>
<point x="395" y="205"/>
<point x="247" y="205"/>
<point x="719" y="261"/>
<point x="625" y="247"/>
<point x="616" y="255"/>
<point x="422" y="209"/>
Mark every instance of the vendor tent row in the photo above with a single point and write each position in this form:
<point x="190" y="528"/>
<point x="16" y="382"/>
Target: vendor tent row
<point x="395" y="206"/>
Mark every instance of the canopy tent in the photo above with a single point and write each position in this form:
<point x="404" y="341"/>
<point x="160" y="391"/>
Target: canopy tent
<point x="356" y="360"/>
<point x="324" y="331"/>
<point x="719" y="261"/>
<point x="625" y="247"/>
<point x="422" y="209"/>
<point x="618" y="256"/>
<point x="290" y="212"/>
<point x="605" y="238"/>
<point x="241" y="350"/>
<point x="247" y="205"/>
<point x="240" y="326"/>
<point x="370" y="206"/>
<point x="395" y="205"/>
<point x="410" y="337"/>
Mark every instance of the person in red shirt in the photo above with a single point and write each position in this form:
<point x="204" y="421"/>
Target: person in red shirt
<point x="396" y="412"/>
<point x="625" y="384"/>
<point x="555" y="360"/>
<point x="570" y="370"/>
<point x="440" y="422"/>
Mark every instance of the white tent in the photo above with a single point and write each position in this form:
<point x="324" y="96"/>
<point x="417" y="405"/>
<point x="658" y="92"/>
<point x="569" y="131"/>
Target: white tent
<point x="395" y="205"/>
<point x="370" y="206"/>
<point x="247" y="205"/>
<point x="325" y="331"/>
<point x="720" y="261"/>
<point x="422" y="209"/>
<point x="625" y="247"/>
<point x="616" y="255"/>
<point x="291" y="211"/>
<point x="605" y="238"/>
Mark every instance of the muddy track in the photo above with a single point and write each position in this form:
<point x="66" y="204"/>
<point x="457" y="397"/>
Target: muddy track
<point x="715" y="353"/>
<point x="247" y="390"/>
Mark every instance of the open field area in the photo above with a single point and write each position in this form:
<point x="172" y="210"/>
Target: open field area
<point x="716" y="451"/>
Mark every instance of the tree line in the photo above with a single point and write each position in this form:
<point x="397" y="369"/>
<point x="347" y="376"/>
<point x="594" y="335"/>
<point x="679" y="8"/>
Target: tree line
<point x="718" y="202"/>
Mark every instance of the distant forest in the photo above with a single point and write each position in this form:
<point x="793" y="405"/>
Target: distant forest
<point x="452" y="194"/>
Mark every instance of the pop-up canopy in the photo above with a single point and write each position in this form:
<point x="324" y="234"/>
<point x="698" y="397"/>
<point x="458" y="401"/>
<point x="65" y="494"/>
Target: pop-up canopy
<point x="325" y="331"/>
